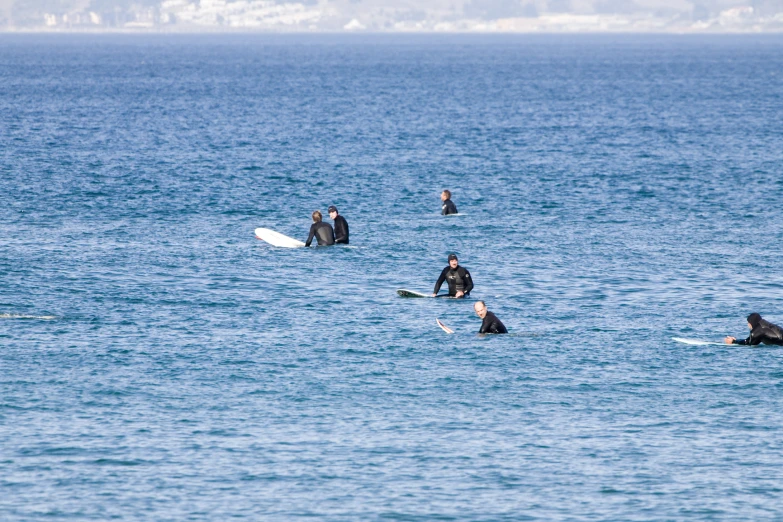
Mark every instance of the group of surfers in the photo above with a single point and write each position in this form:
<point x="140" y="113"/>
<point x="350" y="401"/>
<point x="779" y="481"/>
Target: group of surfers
<point x="324" y="233"/>
<point x="460" y="283"/>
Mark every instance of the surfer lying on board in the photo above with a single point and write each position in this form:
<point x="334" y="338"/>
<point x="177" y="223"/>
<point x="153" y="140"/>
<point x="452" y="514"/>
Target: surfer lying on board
<point x="340" y="226"/>
<point x="321" y="231"/>
<point x="761" y="331"/>
<point x="460" y="282"/>
<point x="489" y="321"/>
<point x="448" y="206"/>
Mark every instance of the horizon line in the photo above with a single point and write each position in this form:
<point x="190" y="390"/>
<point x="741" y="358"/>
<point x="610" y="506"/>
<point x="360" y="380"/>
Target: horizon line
<point x="245" y="31"/>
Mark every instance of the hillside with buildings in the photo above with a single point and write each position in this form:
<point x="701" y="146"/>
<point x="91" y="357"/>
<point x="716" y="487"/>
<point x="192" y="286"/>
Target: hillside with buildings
<point x="392" y="16"/>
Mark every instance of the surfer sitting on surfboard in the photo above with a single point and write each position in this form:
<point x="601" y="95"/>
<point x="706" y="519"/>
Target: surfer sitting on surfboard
<point x="490" y="323"/>
<point x="761" y="331"/>
<point x="448" y="206"/>
<point x="340" y="226"/>
<point x="321" y="231"/>
<point x="460" y="282"/>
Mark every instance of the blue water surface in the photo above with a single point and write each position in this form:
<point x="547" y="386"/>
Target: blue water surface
<point x="157" y="362"/>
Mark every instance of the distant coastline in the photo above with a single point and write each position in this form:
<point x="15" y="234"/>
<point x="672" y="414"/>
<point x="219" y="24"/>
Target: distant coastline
<point x="380" y="16"/>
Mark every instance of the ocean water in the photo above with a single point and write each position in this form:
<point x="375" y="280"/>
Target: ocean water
<point x="157" y="362"/>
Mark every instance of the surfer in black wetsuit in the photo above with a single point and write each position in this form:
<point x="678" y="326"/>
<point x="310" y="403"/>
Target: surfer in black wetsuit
<point x="340" y="226"/>
<point x="489" y="321"/>
<point x="448" y="206"/>
<point x="460" y="282"/>
<point x="761" y="331"/>
<point x="321" y="231"/>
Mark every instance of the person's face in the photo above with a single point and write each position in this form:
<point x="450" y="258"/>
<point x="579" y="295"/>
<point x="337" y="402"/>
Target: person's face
<point x="750" y="326"/>
<point x="480" y="310"/>
<point x="333" y="214"/>
<point x="443" y="196"/>
<point x="453" y="263"/>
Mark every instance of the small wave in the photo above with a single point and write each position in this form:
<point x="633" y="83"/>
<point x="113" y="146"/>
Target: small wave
<point x="25" y="316"/>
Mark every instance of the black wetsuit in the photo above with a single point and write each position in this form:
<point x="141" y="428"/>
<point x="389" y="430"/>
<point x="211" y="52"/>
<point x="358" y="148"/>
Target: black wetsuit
<point x="491" y="324"/>
<point x="448" y="208"/>
<point x="340" y="230"/>
<point x="765" y="332"/>
<point x="458" y="279"/>
<point x="322" y="232"/>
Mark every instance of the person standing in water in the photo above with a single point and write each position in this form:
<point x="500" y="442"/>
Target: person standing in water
<point x="459" y="280"/>
<point x="448" y="206"/>
<point x="761" y="331"/>
<point x="490" y="324"/>
<point x="340" y="226"/>
<point x="321" y="231"/>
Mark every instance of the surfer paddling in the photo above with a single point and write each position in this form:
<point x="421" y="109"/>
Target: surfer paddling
<point x="448" y="206"/>
<point x="490" y="324"/>
<point x="761" y="331"/>
<point x="340" y="226"/>
<point x="459" y="280"/>
<point x="322" y="232"/>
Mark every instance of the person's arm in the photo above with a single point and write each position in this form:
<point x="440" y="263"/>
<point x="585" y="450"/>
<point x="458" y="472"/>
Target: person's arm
<point x="444" y="209"/>
<point x="468" y="282"/>
<point x="750" y="341"/>
<point x="310" y="237"/>
<point x="340" y="230"/>
<point x="440" y="281"/>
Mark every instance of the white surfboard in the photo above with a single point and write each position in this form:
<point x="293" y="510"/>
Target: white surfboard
<point x="411" y="293"/>
<point x="277" y="239"/>
<point x="696" y="342"/>
<point x="444" y="327"/>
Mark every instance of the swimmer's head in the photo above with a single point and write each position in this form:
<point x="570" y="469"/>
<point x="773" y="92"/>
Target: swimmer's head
<point x="753" y="320"/>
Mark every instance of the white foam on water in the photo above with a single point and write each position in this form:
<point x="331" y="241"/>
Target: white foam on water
<point x="25" y="316"/>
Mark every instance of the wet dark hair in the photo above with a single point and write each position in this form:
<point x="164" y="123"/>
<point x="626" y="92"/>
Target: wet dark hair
<point x="754" y="319"/>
